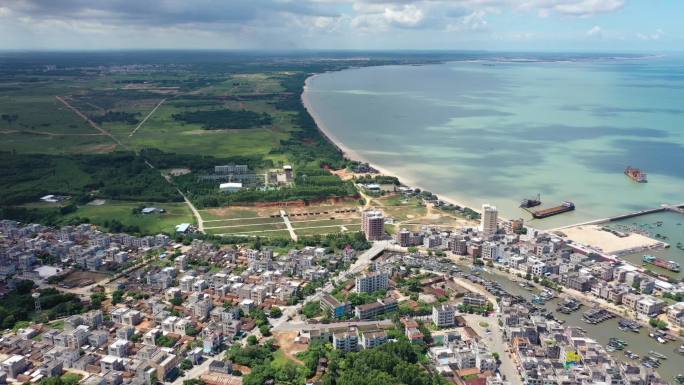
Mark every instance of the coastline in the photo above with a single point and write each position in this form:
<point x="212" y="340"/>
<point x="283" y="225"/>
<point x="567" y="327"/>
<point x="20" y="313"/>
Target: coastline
<point x="353" y="155"/>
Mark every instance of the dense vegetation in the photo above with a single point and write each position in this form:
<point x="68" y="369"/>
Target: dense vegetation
<point x="222" y="119"/>
<point x="310" y="184"/>
<point x="391" y="363"/>
<point x="18" y="305"/>
<point x="117" y="116"/>
<point x="119" y="175"/>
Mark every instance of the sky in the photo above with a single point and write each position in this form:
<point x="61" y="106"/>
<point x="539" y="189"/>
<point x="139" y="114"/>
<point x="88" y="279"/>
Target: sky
<point x="550" y="25"/>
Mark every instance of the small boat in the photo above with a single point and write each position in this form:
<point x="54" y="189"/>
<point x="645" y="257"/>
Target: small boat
<point x="657" y="355"/>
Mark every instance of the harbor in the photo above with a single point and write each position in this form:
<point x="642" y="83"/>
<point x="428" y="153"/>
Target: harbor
<point x="639" y="346"/>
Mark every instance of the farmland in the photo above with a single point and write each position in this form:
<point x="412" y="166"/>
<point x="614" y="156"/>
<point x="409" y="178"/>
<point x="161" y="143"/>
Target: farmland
<point x="66" y="118"/>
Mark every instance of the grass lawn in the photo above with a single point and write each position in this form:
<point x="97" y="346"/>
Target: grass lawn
<point x="123" y="211"/>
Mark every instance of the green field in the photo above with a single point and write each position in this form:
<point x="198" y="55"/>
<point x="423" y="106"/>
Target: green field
<point x="175" y="214"/>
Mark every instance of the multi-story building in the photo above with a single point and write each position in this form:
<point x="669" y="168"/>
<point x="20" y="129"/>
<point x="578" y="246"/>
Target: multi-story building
<point x="474" y="299"/>
<point x="650" y="306"/>
<point x="404" y="238"/>
<point x="333" y="306"/>
<point x="376" y="308"/>
<point x="444" y="315"/>
<point x="347" y="341"/>
<point x="14" y="366"/>
<point x="373" y="338"/>
<point x="372" y="282"/>
<point x="489" y="220"/>
<point x="675" y="314"/>
<point x="373" y="225"/>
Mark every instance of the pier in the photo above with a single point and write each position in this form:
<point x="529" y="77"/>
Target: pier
<point x="678" y="208"/>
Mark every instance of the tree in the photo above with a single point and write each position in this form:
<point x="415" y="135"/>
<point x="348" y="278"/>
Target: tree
<point x="117" y="296"/>
<point x="265" y="330"/>
<point x="186" y="364"/>
<point x="275" y="312"/>
<point x="252" y="340"/>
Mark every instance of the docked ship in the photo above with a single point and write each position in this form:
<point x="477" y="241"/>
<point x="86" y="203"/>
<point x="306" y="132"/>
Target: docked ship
<point x="665" y="264"/>
<point x="636" y="174"/>
<point x="545" y="213"/>
<point x="531" y="202"/>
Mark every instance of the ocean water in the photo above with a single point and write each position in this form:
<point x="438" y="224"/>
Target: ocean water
<point x="497" y="131"/>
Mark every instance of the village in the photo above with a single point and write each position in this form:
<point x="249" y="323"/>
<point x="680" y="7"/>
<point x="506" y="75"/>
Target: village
<point x="154" y="309"/>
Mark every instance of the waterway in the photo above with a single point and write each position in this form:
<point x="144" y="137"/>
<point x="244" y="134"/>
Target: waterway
<point x="497" y="130"/>
<point x="639" y="343"/>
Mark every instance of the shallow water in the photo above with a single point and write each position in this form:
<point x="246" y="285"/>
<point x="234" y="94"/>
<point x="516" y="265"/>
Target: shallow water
<point x="497" y="132"/>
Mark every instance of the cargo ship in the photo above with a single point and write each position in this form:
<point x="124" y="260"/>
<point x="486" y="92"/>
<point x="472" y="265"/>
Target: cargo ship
<point x="636" y="174"/>
<point x="665" y="264"/>
<point x="531" y="202"/>
<point x="545" y="213"/>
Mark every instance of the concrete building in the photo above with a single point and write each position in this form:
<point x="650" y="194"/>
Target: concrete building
<point x="474" y="299"/>
<point x="373" y="338"/>
<point x="489" y="220"/>
<point x="444" y="315"/>
<point x="372" y="282"/>
<point x="404" y="238"/>
<point x="650" y="306"/>
<point x="346" y="340"/>
<point x="14" y="366"/>
<point x="333" y="306"/>
<point x="376" y="308"/>
<point x="373" y="225"/>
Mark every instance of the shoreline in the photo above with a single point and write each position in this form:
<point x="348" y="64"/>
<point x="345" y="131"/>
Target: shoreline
<point x="353" y="155"/>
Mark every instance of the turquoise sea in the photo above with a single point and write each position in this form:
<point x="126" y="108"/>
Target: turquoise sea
<point x="497" y="130"/>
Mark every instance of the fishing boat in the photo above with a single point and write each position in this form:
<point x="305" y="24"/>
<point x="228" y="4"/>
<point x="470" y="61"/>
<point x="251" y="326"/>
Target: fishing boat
<point x="657" y="355"/>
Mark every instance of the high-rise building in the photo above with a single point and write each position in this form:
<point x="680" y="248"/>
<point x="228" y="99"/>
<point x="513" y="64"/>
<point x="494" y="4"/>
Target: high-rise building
<point x="373" y="225"/>
<point x="488" y="223"/>
<point x="404" y="238"/>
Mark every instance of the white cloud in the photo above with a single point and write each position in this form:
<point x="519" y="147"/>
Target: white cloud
<point x="595" y="32"/>
<point x="406" y="16"/>
<point x="589" y="7"/>
<point x="474" y="21"/>
<point x="652" y="36"/>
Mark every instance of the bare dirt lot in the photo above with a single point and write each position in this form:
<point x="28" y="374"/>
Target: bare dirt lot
<point x="82" y="278"/>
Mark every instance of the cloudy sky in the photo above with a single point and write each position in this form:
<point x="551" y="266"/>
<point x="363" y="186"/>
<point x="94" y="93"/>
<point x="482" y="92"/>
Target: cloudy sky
<point x="618" y="25"/>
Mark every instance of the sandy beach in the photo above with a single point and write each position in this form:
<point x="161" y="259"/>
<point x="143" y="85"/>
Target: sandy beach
<point x="353" y="155"/>
<point x="609" y="243"/>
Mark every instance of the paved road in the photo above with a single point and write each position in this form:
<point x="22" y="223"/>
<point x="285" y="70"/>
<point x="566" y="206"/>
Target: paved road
<point x="195" y="372"/>
<point x="496" y="343"/>
<point x="297" y="326"/>
<point x="286" y="219"/>
<point x="147" y="117"/>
